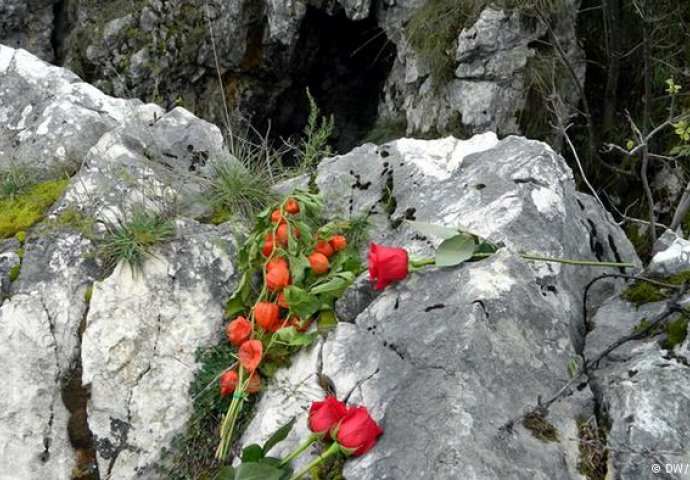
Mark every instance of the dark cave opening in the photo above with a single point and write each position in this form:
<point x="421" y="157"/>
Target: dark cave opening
<point x="344" y="64"/>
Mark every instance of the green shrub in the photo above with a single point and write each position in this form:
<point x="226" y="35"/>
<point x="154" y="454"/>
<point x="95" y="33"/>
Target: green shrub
<point x="132" y="239"/>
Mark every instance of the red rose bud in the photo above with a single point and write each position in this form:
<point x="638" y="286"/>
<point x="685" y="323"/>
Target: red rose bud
<point x="250" y="353"/>
<point x="254" y="385"/>
<point x="266" y="315"/>
<point x="291" y="206"/>
<point x="358" y="431"/>
<point x="277" y="278"/>
<point x="387" y="265"/>
<point x="228" y="382"/>
<point x="239" y="331"/>
<point x="324" y="248"/>
<point x="338" y="242"/>
<point x="323" y="416"/>
<point x="319" y="263"/>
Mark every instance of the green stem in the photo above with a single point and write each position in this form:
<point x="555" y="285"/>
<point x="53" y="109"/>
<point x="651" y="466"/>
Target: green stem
<point x="228" y="426"/>
<point x="418" y="263"/>
<point x="332" y="450"/>
<point x="568" y="261"/>
<point x="295" y="453"/>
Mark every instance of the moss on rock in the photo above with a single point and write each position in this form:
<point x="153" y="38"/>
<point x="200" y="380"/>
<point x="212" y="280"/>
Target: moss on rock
<point x="540" y="427"/>
<point x="18" y="214"/>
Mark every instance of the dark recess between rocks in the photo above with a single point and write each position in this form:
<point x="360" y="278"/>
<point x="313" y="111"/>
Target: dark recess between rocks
<point x="344" y="64"/>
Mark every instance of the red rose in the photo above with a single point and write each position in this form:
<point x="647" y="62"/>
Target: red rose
<point x="277" y="278"/>
<point x="323" y="416"/>
<point x="358" y="431"/>
<point x="387" y="265"/>
<point x="250" y="353"/>
<point x="239" y="331"/>
<point x="228" y="382"/>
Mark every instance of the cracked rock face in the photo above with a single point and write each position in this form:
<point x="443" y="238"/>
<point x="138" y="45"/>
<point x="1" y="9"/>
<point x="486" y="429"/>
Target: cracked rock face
<point x="488" y="90"/>
<point x="447" y="357"/>
<point x="138" y="349"/>
<point x="642" y="386"/>
<point x="129" y="342"/>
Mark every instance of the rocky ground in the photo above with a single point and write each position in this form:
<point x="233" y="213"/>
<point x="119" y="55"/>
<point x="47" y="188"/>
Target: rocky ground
<point x="98" y="362"/>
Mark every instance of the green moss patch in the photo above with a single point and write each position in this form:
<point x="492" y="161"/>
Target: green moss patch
<point x="676" y="333"/>
<point x="540" y="427"/>
<point x="644" y="292"/>
<point x="19" y="213"/>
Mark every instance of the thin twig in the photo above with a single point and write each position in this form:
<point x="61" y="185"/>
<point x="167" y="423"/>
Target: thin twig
<point x="672" y="307"/>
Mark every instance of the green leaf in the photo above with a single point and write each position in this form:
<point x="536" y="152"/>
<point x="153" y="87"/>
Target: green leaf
<point x="279" y="435"/>
<point x="327" y="321"/>
<point x="257" y="471"/>
<point x="293" y="338"/>
<point x="298" y="265"/>
<point x="301" y="303"/>
<point x="252" y="453"/>
<point x="226" y="473"/>
<point x="433" y="230"/>
<point x="453" y="251"/>
<point x="336" y="286"/>
<point x="629" y="144"/>
<point x="238" y="302"/>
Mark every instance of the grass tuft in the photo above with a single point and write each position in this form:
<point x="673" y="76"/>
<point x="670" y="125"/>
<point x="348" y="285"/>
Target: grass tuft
<point x="14" y="181"/>
<point x="132" y="239"/>
<point x="237" y="190"/>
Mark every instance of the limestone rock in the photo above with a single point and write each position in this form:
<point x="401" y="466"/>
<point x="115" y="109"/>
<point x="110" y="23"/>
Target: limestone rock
<point x="641" y="391"/>
<point x="97" y="372"/>
<point x="672" y="255"/>
<point x="444" y="359"/>
<point x="138" y="351"/>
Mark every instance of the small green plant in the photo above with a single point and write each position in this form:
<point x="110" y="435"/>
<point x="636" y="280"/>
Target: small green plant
<point x="314" y="145"/>
<point x="14" y="181"/>
<point x="237" y="189"/>
<point x="132" y="239"/>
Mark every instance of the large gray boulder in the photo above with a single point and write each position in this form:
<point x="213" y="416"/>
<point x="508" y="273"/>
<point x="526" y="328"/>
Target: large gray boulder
<point x="444" y="359"/>
<point x="641" y="388"/>
<point x="98" y="363"/>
